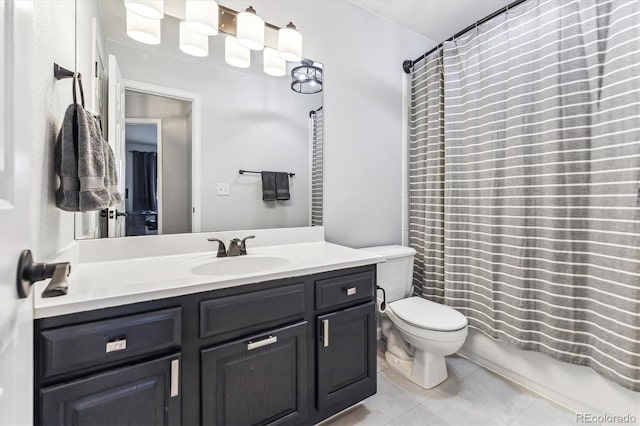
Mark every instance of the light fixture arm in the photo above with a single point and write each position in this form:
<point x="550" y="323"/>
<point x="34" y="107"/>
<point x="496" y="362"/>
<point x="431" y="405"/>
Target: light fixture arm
<point x="227" y="19"/>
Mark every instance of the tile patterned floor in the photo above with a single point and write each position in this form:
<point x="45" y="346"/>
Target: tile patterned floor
<point x="471" y="395"/>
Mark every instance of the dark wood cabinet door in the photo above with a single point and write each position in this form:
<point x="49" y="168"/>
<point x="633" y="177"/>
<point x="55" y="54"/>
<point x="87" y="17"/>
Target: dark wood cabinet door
<point x="346" y="369"/>
<point x="143" y="394"/>
<point x="256" y="381"/>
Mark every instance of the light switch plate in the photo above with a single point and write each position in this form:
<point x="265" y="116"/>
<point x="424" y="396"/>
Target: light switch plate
<point x="223" y="188"/>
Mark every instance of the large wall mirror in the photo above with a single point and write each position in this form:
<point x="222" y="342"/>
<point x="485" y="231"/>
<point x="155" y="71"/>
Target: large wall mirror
<point x="183" y="127"/>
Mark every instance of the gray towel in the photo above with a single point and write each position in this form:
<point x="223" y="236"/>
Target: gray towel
<point x="80" y="163"/>
<point x="282" y="186"/>
<point x="66" y="163"/>
<point x="110" y="176"/>
<point x="268" y="186"/>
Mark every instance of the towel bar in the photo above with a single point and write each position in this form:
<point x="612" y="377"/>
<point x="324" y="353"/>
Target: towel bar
<point x="250" y="171"/>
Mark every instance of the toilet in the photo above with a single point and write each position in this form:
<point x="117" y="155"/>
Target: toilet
<point x="419" y="333"/>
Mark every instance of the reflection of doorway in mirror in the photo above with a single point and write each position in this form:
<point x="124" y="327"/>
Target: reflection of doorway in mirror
<point x="143" y="176"/>
<point x="172" y="210"/>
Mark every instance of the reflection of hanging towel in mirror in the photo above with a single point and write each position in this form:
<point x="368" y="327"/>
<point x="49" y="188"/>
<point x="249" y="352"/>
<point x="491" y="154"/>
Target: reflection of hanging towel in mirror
<point x="282" y="186"/>
<point x="82" y="160"/>
<point x="268" y="186"/>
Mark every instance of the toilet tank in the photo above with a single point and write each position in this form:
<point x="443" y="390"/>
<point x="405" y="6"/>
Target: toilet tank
<point x="396" y="274"/>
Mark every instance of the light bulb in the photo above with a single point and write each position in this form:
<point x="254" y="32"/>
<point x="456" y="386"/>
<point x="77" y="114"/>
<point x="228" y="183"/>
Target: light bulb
<point x="144" y="30"/>
<point x="192" y="42"/>
<point x="152" y="9"/>
<point x="202" y="16"/>
<point x="290" y="43"/>
<point x="272" y="63"/>
<point x="250" y="30"/>
<point x="236" y="55"/>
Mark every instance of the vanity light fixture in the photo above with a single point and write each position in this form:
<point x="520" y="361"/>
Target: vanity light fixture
<point x="143" y="29"/>
<point x="236" y="55"/>
<point x="250" y="30"/>
<point x="245" y="31"/>
<point x="152" y="9"/>
<point x="202" y="16"/>
<point x="307" y="78"/>
<point x="273" y="64"/>
<point x="290" y="43"/>
<point x="192" y="42"/>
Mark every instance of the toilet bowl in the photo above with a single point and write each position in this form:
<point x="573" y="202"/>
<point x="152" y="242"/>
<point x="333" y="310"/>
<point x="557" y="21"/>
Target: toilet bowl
<point x="430" y="337"/>
<point x="419" y="333"/>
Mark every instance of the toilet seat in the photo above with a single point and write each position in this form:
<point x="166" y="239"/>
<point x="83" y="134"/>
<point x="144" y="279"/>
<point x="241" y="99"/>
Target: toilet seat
<point x="424" y="314"/>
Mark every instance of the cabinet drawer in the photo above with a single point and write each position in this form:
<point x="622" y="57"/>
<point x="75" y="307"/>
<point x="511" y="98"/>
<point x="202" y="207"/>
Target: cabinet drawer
<point x="344" y="289"/>
<point x="251" y="311"/>
<point x="83" y="346"/>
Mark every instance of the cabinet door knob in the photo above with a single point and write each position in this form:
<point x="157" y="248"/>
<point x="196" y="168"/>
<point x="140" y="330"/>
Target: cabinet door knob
<point x="260" y="343"/>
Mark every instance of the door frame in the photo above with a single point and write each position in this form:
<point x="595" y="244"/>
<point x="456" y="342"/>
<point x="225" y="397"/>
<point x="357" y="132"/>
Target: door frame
<point x="194" y="98"/>
<point x="158" y="123"/>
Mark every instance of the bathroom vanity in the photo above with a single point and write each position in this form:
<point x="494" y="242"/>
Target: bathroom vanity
<point x="293" y="350"/>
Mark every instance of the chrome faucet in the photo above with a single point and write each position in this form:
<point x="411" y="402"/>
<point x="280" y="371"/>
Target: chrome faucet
<point x="237" y="247"/>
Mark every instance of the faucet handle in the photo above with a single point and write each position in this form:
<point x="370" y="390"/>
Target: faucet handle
<point x="243" y="244"/>
<point x="222" y="250"/>
<point x="234" y="247"/>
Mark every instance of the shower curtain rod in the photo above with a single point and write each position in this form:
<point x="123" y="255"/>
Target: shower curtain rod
<point x="406" y="65"/>
<point x="313" y="112"/>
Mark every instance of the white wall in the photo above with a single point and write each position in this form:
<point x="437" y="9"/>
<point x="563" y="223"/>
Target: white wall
<point x="362" y="53"/>
<point x="575" y="386"/>
<point x="176" y="146"/>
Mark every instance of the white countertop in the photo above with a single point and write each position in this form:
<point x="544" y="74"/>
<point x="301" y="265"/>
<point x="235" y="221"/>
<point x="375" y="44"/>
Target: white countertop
<point x="102" y="284"/>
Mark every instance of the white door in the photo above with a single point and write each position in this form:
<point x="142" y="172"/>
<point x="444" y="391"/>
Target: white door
<point x="16" y="315"/>
<point x="116" y="125"/>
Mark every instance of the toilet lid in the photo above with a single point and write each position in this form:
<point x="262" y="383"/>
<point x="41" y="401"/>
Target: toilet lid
<point x="423" y="313"/>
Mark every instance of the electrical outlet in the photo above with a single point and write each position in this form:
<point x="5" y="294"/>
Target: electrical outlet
<point x="223" y="188"/>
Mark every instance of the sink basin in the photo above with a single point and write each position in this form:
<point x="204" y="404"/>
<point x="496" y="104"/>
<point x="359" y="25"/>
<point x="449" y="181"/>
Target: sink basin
<point x="240" y="265"/>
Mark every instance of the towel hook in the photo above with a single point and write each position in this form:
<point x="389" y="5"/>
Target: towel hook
<point x="61" y="73"/>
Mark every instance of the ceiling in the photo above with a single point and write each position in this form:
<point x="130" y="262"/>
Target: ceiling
<point x="436" y="20"/>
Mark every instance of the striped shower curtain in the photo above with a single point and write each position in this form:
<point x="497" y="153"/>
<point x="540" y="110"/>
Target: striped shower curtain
<point x="525" y="180"/>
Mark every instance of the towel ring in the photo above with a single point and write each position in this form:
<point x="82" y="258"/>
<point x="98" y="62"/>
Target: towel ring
<point x="77" y="77"/>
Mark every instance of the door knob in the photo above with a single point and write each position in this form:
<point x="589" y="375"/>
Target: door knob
<point x="29" y="272"/>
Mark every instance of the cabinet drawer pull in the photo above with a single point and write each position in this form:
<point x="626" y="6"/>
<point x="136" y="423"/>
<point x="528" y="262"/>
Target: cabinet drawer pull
<point x="351" y="291"/>
<point x="116" y="345"/>
<point x="175" y="377"/>
<point x="325" y="333"/>
<point x="260" y="343"/>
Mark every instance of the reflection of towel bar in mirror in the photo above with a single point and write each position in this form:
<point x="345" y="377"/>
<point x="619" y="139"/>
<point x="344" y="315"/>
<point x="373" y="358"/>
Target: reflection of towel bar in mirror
<point x="250" y="171"/>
